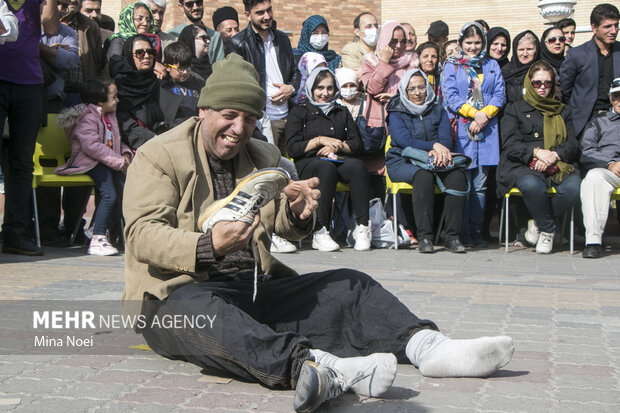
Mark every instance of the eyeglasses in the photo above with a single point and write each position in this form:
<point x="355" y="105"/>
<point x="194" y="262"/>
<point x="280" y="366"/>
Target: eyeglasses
<point x="205" y="38"/>
<point x="141" y="53"/>
<point x="394" y="42"/>
<point x="180" y="68"/>
<point x="191" y="4"/>
<point x="538" y="83"/>
<point x="413" y="89"/>
<point x="561" y="39"/>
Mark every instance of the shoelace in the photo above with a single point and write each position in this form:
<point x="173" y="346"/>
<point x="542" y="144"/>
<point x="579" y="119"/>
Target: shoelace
<point x="256" y="264"/>
<point x="361" y="375"/>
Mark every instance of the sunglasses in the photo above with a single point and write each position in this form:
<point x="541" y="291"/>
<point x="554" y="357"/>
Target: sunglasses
<point x="414" y="89"/>
<point x="191" y="4"/>
<point x="140" y="53"/>
<point x="561" y="39"/>
<point x="205" y="38"/>
<point x="394" y="42"/>
<point x="180" y="68"/>
<point x="538" y="83"/>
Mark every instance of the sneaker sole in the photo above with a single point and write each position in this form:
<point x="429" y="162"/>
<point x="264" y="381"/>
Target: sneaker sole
<point x="309" y="380"/>
<point x="219" y="204"/>
<point x="102" y="254"/>
<point x="316" y="247"/>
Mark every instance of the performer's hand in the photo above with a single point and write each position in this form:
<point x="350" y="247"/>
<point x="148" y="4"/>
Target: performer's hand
<point x="615" y="168"/>
<point x="230" y="236"/>
<point x="303" y="197"/>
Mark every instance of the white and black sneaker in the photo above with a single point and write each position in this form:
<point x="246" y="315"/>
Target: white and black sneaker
<point x="252" y="193"/>
<point x="316" y="385"/>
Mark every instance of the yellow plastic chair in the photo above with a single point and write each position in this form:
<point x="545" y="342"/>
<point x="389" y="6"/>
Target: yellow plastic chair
<point x="504" y="216"/>
<point x="52" y="148"/>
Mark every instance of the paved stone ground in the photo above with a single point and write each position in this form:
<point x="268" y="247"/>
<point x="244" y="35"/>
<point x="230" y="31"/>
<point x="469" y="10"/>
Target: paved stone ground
<point x="562" y="311"/>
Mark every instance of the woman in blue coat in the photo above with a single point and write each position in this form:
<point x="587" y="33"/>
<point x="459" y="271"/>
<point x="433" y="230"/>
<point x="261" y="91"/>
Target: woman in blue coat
<point x="416" y="120"/>
<point x="473" y="91"/>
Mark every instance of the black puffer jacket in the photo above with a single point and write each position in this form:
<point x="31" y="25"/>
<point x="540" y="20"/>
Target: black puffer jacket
<point x="249" y="45"/>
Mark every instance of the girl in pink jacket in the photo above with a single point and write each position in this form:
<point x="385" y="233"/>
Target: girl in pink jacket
<point x="97" y="150"/>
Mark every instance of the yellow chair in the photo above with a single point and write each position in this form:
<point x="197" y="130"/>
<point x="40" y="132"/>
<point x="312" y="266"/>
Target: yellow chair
<point x="505" y="211"/>
<point x="52" y="148"/>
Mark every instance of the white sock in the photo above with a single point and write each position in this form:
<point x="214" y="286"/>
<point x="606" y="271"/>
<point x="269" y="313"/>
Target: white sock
<point x="439" y="356"/>
<point x="378" y="371"/>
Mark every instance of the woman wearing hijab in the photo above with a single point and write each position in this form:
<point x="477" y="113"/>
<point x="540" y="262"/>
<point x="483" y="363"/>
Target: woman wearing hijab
<point x="315" y="38"/>
<point x="525" y="51"/>
<point x="473" y="90"/>
<point x="134" y="19"/>
<point x="308" y="62"/>
<point x="416" y="120"/>
<point x="196" y="38"/>
<point x="322" y="139"/>
<point x="552" y="49"/>
<point x="498" y="45"/>
<point x="139" y="116"/>
<point x="540" y="151"/>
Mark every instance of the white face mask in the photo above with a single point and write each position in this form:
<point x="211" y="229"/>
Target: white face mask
<point x="318" y="41"/>
<point x="348" y="92"/>
<point x="371" y="36"/>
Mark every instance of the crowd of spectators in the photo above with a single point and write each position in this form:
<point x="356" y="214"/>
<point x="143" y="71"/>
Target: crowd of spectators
<point x="531" y="112"/>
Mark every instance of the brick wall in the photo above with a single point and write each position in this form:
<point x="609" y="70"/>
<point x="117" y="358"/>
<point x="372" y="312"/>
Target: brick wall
<point x="289" y="14"/>
<point x="514" y="15"/>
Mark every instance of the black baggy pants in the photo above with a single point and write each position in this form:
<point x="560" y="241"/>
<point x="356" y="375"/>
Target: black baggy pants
<point x="344" y="312"/>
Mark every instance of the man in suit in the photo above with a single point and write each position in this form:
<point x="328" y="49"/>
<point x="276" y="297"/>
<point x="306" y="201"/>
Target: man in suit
<point x="589" y="69"/>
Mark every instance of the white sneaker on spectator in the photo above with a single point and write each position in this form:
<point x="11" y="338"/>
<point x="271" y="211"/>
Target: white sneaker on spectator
<point x="281" y="245"/>
<point x="545" y="243"/>
<point x="361" y="234"/>
<point x="323" y="242"/>
<point x="533" y="233"/>
<point x="99" y="245"/>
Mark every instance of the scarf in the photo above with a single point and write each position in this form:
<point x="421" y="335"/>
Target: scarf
<point x="412" y="108"/>
<point x="126" y="27"/>
<point x="556" y="60"/>
<point x="325" y="107"/>
<point x="308" y="62"/>
<point x="492" y="34"/>
<point x="304" y="46"/>
<point x="515" y="69"/>
<point x="135" y="87"/>
<point x="554" y="129"/>
<point x="202" y="65"/>
<point x="474" y="87"/>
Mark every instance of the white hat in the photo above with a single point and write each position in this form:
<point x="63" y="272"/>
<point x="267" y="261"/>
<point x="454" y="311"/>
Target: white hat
<point x="345" y="75"/>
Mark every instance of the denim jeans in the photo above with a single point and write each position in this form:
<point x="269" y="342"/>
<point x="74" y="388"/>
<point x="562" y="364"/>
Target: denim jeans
<point x="22" y="106"/>
<point x="109" y="185"/>
<point x="473" y="214"/>
<point x="544" y="209"/>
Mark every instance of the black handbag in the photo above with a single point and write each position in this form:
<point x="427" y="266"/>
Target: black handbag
<point x="373" y="139"/>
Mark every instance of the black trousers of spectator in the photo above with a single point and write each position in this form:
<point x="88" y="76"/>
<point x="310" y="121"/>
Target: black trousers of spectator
<point x="424" y="199"/>
<point x="352" y="171"/>
<point x="22" y="106"/>
<point x="344" y="312"/>
<point x="49" y="202"/>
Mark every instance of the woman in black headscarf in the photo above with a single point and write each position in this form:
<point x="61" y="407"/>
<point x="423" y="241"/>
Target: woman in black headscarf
<point x="525" y="51"/>
<point x="552" y="50"/>
<point x="196" y="37"/>
<point x="139" y="115"/>
<point x="498" y="45"/>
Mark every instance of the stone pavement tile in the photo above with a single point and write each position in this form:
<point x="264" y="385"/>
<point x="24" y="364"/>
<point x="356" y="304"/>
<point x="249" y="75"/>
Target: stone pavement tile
<point x="224" y="400"/>
<point x="595" y="348"/>
<point x="467" y="385"/>
<point x="32" y="359"/>
<point x="155" y="363"/>
<point x="532" y="371"/>
<point x="443" y="399"/>
<point x="33" y="386"/>
<point x="157" y="396"/>
<point x="90" y="361"/>
<point x="61" y="405"/>
<point x="518" y="389"/>
<point x="279" y="404"/>
<point x="607" y="396"/>
<point x="94" y="391"/>
<point x="590" y="407"/>
<point x="182" y="381"/>
<point x="520" y="354"/>
<point x="207" y="409"/>
<point x="120" y="376"/>
<point x="583" y="370"/>
<point x="123" y="407"/>
<point x="57" y="372"/>
<point x="517" y="404"/>
<point x="584" y="382"/>
<point x="16" y="368"/>
<point x="595" y="359"/>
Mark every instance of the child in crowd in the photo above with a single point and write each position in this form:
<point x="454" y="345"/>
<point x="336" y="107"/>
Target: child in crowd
<point x="347" y="79"/>
<point x="96" y="150"/>
<point x="179" y="93"/>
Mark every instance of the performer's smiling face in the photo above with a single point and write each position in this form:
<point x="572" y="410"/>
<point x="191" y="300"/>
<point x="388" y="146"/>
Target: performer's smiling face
<point x="225" y="132"/>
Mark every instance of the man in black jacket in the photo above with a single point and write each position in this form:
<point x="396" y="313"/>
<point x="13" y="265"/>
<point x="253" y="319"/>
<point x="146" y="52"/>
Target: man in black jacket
<point x="271" y="54"/>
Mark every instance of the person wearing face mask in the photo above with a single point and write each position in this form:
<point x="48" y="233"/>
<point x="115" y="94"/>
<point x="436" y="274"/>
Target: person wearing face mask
<point x="323" y="140"/>
<point x="140" y="117"/>
<point x="498" y="45"/>
<point x="366" y="29"/>
<point x="315" y="38"/>
<point x="540" y="150"/>
<point x="381" y="72"/>
<point x="349" y="97"/>
<point x="525" y="51"/>
<point x="308" y="62"/>
<point x="473" y="89"/>
<point x="416" y="120"/>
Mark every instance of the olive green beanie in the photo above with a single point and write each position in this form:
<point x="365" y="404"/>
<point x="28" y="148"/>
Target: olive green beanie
<point x="233" y="85"/>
